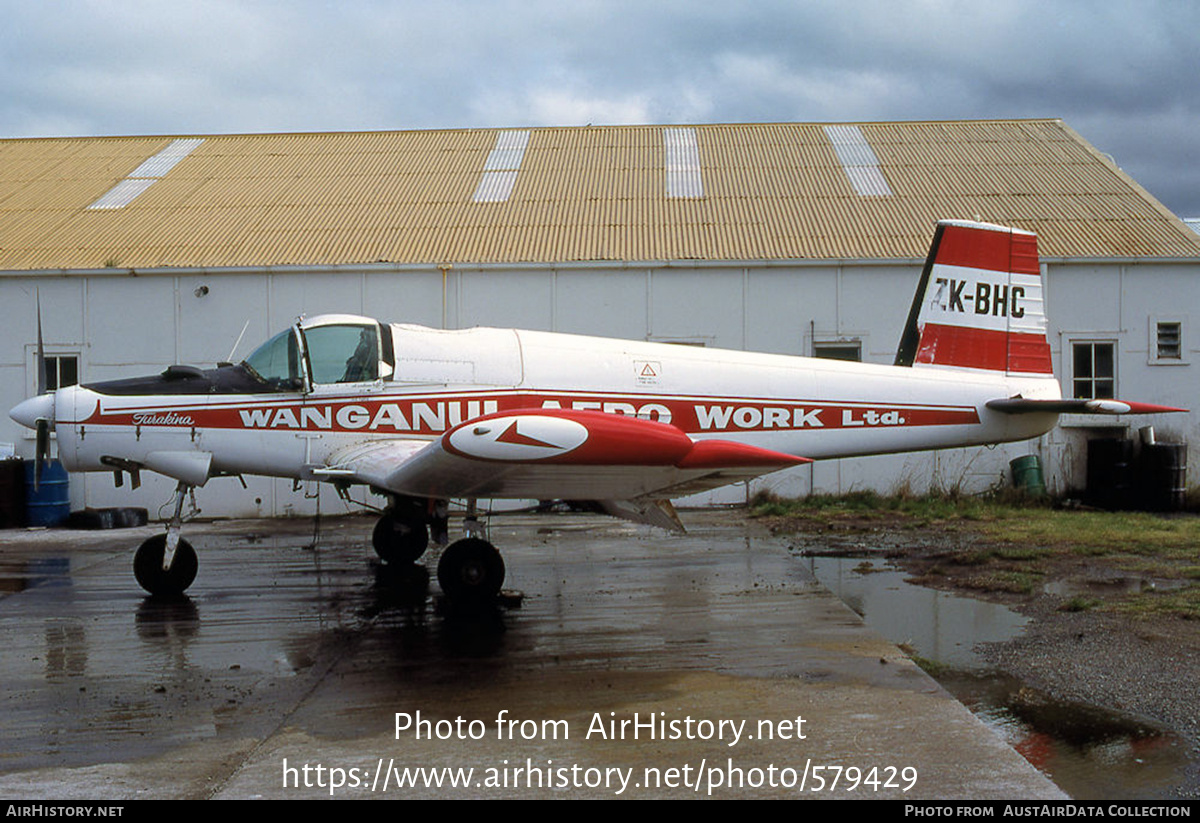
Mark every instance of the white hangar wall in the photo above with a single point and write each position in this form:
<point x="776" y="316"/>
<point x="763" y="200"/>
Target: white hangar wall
<point x="1122" y="304"/>
<point x="122" y="324"/>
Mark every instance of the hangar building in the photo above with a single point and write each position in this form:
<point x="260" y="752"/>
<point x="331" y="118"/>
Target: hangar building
<point x="793" y="238"/>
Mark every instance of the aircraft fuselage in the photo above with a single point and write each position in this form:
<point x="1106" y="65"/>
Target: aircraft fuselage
<point x="801" y="406"/>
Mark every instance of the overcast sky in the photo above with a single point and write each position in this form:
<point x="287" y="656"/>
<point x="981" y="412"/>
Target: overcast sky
<point x="1126" y="75"/>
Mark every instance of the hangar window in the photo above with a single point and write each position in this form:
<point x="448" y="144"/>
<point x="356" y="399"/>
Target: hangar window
<point x="61" y="370"/>
<point x="1094" y="369"/>
<point x="62" y="367"/>
<point x="850" y="350"/>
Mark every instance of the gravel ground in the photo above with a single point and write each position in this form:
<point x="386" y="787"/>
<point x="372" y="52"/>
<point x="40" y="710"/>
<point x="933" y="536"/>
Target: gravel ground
<point x="1149" y="668"/>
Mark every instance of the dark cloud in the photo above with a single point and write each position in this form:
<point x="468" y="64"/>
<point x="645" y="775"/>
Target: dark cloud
<point x="1119" y="73"/>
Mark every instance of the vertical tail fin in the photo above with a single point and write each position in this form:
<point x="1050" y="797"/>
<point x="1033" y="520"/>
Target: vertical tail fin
<point x="979" y="304"/>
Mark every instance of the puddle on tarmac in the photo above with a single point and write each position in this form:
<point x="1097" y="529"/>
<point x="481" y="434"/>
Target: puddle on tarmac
<point x="16" y="576"/>
<point x="1089" y="753"/>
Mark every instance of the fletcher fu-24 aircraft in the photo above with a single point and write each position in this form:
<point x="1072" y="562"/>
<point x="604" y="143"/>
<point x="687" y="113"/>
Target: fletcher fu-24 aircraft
<point x="424" y="416"/>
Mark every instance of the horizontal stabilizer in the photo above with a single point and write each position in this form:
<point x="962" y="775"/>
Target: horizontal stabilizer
<point x="1020" y="405"/>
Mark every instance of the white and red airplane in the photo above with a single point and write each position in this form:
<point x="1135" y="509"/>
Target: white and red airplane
<point x="424" y="415"/>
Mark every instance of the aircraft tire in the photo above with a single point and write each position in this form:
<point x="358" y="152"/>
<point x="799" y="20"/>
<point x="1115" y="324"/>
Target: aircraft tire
<point x="147" y="567"/>
<point x="399" y="541"/>
<point x="471" y="571"/>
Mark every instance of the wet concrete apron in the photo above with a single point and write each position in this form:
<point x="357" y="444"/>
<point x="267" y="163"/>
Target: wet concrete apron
<point x="639" y="664"/>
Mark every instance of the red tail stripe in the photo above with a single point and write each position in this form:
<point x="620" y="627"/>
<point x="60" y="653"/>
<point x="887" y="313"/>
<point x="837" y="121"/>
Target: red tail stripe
<point x="984" y="349"/>
<point x="1029" y="354"/>
<point x="1025" y="254"/>
<point x="976" y="248"/>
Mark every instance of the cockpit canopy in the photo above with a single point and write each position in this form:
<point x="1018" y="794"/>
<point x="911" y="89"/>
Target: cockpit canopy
<point x="333" y="349"/>
<point x="327" y="350"/>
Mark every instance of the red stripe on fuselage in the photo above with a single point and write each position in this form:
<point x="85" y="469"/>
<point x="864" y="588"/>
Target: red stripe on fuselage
<point x="426" y="415"/>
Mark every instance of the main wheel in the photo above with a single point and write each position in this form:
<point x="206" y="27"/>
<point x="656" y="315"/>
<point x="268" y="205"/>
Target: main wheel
<point x="148" y="567"/>
<point x="471" y="570"/>
<point x="399" y="541"/>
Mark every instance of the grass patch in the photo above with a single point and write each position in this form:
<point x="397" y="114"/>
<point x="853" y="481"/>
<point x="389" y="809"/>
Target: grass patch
<point x="1080" y="603"/>
<point x="973" y="557"/>
<point x="1097" y="533"/>
<point x="1031" y="529"/>
<point x="920" y="509"/>
<point x="1003" y="580"/>
<point x="1182" y="604"/>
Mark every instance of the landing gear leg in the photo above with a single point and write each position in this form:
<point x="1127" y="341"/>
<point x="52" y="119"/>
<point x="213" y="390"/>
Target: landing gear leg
<point x="471" y="571"/>
<point x="165" y="565"/>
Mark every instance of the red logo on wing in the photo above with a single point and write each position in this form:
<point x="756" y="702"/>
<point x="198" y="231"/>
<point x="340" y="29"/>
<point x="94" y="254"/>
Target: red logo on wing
<point x="511" y="435"/>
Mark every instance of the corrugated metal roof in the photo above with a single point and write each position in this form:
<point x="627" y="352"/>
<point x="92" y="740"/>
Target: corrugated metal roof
<point x="774" y="191"/>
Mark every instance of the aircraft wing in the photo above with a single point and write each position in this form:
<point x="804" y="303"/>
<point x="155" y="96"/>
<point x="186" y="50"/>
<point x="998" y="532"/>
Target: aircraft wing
<point x="555" y="454"/>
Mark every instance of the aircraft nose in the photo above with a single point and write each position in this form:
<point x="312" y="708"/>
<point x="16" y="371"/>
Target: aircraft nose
<point x="28" y="412"/>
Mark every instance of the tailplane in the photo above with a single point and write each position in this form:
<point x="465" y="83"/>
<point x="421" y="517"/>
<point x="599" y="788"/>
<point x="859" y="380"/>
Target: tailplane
<point x="979" y="304"/>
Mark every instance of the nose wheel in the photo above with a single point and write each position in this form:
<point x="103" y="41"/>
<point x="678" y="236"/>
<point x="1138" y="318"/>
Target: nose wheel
<point x="165" y="565"/>
<point x="178" y="574"/>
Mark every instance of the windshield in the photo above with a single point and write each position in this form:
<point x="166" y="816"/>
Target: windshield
<point x="277" y="362"/>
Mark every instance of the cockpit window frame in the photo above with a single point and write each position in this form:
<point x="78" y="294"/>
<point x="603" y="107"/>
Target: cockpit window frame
<point x="379" y="365"/>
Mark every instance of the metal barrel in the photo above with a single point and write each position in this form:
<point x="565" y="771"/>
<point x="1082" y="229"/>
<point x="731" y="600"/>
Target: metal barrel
<point x="1163" y="476"/>
<point x="50" y="503"/>
<point x="1028" y="476"/>
<point x="1110" y="473"/>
